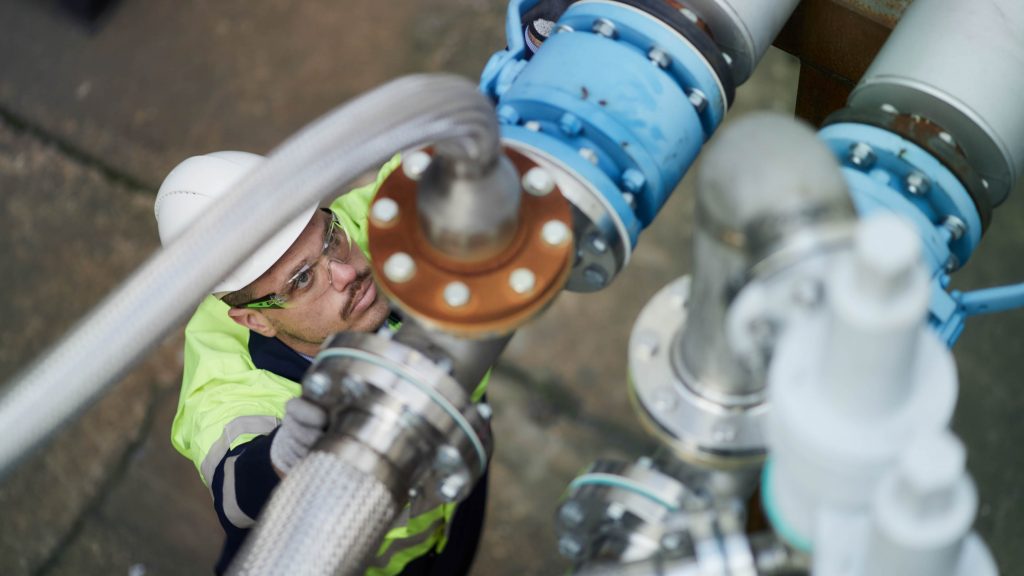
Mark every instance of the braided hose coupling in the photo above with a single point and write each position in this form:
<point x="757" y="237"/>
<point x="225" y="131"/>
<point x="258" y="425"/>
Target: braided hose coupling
<point x="403" y="429"/>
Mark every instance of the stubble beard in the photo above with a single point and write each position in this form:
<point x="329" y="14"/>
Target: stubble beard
<point x="353" y="288"/>
<point x="344" y="316"/>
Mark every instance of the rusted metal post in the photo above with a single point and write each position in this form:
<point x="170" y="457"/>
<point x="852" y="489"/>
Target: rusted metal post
<point x="835" y="40"/>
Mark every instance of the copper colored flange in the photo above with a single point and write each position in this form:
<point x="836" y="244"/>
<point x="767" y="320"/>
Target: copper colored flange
<point x="493" y="306"/>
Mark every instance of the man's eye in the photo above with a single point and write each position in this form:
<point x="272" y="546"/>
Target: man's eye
<point x="302" y="280"/>
<point x="335" y="240"/>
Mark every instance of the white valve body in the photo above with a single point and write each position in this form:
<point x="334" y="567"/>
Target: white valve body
<point x="857" y="391"/>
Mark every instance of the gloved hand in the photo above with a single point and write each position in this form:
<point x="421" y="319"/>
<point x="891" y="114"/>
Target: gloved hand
<point x="303" y="424"/>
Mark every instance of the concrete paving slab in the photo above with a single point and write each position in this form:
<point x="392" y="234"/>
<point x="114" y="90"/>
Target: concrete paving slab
<point x="156" y="520"/>
<point x="160" y="80"/>
<point x="69" y="235"/>
<point x="540" y="446"/>
<point x="988" y="413"/>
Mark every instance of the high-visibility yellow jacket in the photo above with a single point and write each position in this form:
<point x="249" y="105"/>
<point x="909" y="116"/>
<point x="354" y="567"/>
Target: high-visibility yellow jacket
<point x="230" y="407"/>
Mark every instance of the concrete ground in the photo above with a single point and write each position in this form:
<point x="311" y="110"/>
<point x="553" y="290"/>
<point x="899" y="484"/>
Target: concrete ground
<point x="92" y="118"/>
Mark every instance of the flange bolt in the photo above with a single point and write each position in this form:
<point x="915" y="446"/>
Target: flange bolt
<point x="415" y="164"/>
<point x="456" y="294"/>
<point x="862" y="156"/>
<point x="538" y="182"/>
<point x="384" y="211"/>
<point x="399" y="267"/>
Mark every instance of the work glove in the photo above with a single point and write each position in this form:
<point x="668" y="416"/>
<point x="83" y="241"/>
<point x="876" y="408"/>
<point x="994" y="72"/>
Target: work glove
<point x="303" y="424"/>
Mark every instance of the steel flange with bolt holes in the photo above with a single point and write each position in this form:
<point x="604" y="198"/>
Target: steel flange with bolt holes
<point x="699" y="430"/>
<point x="399" y="416"/>
<point x="620" y="512"/>
<point x="481" y="298"/>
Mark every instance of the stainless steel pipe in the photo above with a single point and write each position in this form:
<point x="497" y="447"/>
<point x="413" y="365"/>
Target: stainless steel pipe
<point x="469" y="359"/>
<point x="766" y="181"/>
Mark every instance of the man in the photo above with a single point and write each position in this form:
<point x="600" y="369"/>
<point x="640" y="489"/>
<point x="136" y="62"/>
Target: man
<point x="240" y="416"/>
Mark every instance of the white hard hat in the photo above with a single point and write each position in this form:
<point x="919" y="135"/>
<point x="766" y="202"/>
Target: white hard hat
<point x="194" y="185"/>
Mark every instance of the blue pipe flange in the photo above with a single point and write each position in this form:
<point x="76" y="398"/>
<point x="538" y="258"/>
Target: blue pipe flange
<point x="930" y="137"/>
<point x="886" y="171"/>
<point x="622" y="101"/>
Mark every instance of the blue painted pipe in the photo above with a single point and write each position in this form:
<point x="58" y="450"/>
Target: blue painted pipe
<point x="628" y="106"/>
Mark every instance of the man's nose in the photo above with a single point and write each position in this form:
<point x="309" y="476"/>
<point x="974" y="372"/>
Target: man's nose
<point x="340" y="274"/>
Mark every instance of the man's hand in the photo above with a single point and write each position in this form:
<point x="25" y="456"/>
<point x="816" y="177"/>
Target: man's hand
<point x="302" y="426"/>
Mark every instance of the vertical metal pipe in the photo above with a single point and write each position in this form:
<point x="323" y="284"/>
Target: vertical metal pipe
<point x="765" y="181"/>
<point x="469" y="212"/>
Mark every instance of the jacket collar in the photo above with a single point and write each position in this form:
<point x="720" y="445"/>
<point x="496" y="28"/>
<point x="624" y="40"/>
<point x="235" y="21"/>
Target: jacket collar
<point x="274" y="356"/>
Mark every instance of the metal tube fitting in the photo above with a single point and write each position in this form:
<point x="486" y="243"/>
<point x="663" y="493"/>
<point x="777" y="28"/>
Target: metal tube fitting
<point x="508" y="252"/>
<point x="770" y="555"/>
<point x="403" y="405"/>
<point x="402" y="430"/>
<point x="642" y="519"/>
<point x="621" y="512"/>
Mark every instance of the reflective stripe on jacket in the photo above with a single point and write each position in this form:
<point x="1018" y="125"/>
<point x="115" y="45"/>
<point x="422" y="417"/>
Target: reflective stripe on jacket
<point x="229" y="408"/>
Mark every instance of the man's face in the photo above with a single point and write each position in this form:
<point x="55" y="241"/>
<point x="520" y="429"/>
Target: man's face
<point x="327" y="292"/>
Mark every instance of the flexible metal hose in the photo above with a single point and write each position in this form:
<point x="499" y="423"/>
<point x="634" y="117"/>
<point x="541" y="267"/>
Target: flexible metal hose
<point x="309" y="166"/>
<point x="328" y="518"/>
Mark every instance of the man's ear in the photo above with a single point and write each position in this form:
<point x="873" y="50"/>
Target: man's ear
<point x="253" y="320"/>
